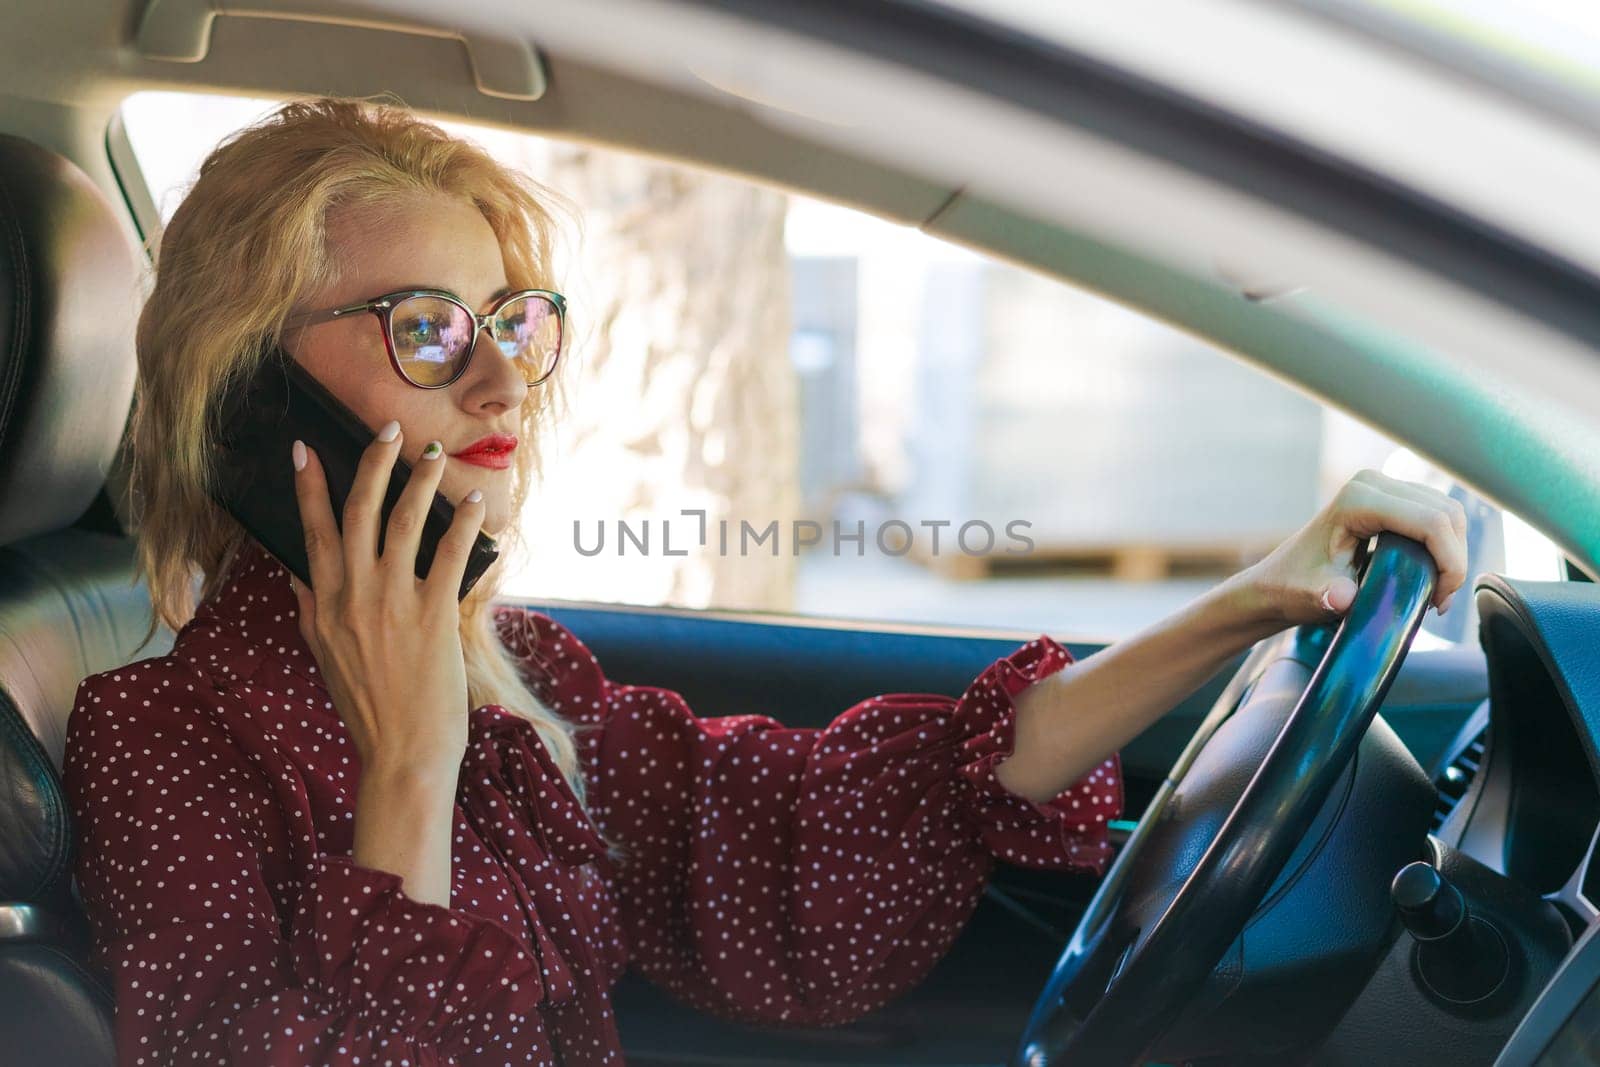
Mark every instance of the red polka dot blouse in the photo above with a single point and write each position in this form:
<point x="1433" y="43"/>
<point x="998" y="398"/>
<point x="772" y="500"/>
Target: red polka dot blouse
<point x="765" y="873"/>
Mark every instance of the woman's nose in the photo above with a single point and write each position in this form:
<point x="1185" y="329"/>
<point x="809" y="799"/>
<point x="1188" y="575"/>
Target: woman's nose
<point x="491" y="378"/>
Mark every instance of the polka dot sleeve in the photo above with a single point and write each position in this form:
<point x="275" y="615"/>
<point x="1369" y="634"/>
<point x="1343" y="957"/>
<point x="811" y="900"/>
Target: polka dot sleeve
<point x="180" y="843"/>
<point x="1070" y="829"/>
<point x="807" y="876"/>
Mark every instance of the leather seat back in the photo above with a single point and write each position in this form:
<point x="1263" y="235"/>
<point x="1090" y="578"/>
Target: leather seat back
<point x="69" y="606"/>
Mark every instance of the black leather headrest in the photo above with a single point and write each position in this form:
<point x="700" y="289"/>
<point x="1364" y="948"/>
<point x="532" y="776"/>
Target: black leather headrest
<point x="70" y="288"/>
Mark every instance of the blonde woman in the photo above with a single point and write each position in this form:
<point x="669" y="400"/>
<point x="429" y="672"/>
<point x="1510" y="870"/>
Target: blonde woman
<point x="363" y="823"/>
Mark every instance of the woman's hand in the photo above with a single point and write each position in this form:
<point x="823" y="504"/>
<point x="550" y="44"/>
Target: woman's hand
<point x="388" y="644"/>
<point x="1311" y="577"/>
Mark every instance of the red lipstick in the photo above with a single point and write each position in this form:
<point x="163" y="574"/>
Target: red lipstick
<point x="493" y="451"/>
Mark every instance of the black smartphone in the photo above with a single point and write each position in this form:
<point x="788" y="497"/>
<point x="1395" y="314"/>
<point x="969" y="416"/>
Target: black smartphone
<point x="261" y="418"/>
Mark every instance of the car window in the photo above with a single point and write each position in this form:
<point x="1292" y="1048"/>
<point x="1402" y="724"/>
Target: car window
<point x="781" y="405"/>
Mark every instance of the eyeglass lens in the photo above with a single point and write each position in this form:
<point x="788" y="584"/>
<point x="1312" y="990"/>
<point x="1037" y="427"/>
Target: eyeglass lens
<point x="433" y="337"/>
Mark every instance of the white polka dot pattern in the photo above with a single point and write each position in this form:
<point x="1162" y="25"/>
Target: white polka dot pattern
<point x="801" y="876"/>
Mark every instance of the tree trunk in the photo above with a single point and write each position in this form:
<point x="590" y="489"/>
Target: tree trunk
<point x="682" y="393"/>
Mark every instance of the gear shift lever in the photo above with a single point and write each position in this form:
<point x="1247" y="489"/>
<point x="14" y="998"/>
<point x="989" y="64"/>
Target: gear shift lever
<point x="1460" y="958"/>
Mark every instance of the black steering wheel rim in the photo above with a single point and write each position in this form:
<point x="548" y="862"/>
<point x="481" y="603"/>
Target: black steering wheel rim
<point x="1108" y="1003"/>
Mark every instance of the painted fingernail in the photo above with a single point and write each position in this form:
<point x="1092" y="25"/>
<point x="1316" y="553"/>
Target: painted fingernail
<point x="390" y="431"/>
<point x="298" y="452"/>
<point x="433" y="451"/>
<point x="475" y="496"/>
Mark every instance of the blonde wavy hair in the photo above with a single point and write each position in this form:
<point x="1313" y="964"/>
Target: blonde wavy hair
<point x="248" y="239"/>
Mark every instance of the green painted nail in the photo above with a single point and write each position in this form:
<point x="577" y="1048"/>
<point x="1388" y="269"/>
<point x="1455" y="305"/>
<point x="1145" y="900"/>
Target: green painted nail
<point x="433" y="451"/>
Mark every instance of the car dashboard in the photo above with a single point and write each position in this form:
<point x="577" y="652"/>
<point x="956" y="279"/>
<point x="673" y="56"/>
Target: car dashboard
<point x="1522" y="793"/>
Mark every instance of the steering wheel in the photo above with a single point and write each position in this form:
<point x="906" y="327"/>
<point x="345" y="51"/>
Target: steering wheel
<point x="1148" y="941"/>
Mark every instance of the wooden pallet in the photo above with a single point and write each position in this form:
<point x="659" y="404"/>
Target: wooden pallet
<point x="1130" y="562"/>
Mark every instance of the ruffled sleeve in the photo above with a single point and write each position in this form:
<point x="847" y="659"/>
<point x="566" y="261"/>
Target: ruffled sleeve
<point x="179" y="839"/>
<point x="806" y="876"/>
<point x="384" y="963"/>
<point x="1069" y="830"/>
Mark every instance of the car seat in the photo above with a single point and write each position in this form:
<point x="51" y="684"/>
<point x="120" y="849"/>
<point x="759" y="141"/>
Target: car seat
<point x="69" y="606"/>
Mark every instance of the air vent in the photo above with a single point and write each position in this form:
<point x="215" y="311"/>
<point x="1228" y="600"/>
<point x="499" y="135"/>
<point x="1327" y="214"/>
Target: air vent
<point x="1457" y="776"/>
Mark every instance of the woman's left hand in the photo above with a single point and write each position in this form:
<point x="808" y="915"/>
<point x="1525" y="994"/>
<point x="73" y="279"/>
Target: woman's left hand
<point x="1311" y="577"/>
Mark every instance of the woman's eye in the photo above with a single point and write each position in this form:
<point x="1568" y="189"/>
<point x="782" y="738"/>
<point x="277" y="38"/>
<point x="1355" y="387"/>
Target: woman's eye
<point x="418" y="329"/>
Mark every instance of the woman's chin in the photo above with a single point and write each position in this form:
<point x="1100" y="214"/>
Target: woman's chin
<point x="494" y="521"/>
<point x="495" y="516"/>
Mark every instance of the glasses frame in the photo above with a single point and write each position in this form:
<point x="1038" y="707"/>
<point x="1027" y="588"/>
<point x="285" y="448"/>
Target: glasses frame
<point x="383" y="307"/>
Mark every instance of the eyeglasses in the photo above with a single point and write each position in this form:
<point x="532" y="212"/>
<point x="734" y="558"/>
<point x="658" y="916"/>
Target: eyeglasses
<point x="431" y="333"/>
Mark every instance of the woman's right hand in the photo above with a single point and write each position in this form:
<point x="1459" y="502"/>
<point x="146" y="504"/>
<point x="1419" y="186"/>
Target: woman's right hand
<point x="388" y="644"/>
